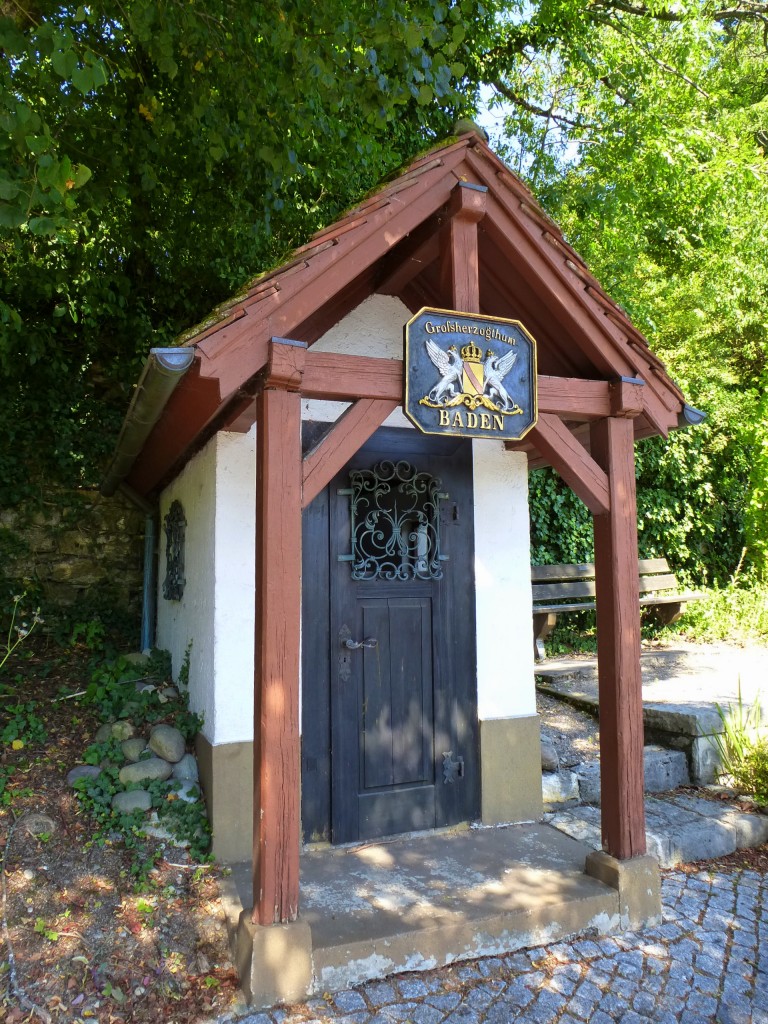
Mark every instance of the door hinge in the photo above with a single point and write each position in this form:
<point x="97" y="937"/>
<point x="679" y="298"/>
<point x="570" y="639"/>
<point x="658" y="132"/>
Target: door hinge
<point x="452" y="768"/>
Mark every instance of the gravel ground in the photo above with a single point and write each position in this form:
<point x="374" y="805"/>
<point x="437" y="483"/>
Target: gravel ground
<point x="575" y="733"/>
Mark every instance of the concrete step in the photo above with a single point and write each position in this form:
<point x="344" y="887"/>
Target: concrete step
<point x="418" y="902"/>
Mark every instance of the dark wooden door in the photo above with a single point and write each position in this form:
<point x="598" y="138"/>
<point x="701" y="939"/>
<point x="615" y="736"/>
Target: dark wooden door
<point x="399" y="623"/>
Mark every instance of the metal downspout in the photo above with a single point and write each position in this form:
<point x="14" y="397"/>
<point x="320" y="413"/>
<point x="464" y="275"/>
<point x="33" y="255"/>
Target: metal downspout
<point x="148" y="589"/>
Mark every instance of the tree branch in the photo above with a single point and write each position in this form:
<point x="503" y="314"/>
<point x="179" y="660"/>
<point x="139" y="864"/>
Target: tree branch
<point x="532" y="108"/>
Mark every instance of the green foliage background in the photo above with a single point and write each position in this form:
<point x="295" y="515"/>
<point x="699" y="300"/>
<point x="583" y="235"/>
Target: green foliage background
<point x="643" y="130"/>
<point x="155" y="155"/>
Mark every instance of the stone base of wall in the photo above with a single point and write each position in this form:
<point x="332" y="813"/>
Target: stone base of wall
<point x="510" y="765"/>
<point x="510" y="755"/>
<point x="226" y="774"/>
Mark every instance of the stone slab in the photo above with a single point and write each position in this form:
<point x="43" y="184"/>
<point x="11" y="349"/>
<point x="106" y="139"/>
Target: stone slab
<point x="426" y="900"/>
<point x="664" y="770"/>
<point x="679" y="828"/>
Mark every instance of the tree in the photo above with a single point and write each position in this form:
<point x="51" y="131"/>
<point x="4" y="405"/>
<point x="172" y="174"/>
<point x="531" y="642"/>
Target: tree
<point x="642" y="129"/>
<point x="157" y="155"/>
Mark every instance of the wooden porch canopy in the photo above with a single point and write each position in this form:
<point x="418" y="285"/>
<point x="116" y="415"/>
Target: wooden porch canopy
<point x="456" y="230"/>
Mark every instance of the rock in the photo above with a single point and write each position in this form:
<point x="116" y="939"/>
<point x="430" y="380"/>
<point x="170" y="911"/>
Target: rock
<point x="188" y="791"/>
<point x="134" y="747"/>
<point x="664" y="769"/>
<point x="103" y="733"/>
<point x="588" y="775"/>
<point x="39" y="824"/>
<point x="145" y="771"/>
<point x="141" y="659"/>
<point x="167" y="743"/>
<point x="144" y="687"/>
<point x="558" y="788"/>
<point x="170" y="692"/>
<point x="82" y="771"/>
<point x="186" y="768"/>
<point x="123" y="730"/>
<point x="136" y="800"/>
<point x="550" y="762"/>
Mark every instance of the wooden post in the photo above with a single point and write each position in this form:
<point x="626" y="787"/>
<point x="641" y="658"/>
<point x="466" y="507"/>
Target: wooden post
<point x="460" y="271"/>
<point x="618" y="643"/>
<point x="276" y="769"/>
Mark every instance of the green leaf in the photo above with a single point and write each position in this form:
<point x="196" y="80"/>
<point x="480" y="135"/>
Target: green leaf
<point x="83" y="79"/>
<point x="82" y="174"/>
<point x="64" y="62"/>
<point x="426" y="95"/>
<point x="12" y="216"/>
<point x="38" y="144"/>
<point x="42" y="225"/>
<point x="8" y="189"/>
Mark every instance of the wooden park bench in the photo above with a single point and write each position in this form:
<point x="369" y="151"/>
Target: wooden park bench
<point x="571" y="588"/>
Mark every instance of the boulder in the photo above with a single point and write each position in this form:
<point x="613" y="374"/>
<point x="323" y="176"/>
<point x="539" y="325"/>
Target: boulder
<point x="168" y="743"/>
<point x="136" y="800"/>
<point x="103" y="733"/>
<point x="82" y="771"/>
<point x="550" y="762"/>
<point x="558" y="788"/>
<point x="188" y="791"/>
<point x="134" y="747"/>
<point x="186" y="768"/>
<point x="123" y="730"/>
<point x="145" y="771"/>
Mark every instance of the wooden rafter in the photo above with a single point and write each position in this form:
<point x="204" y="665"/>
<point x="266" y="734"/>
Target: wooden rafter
<point x="573" y="462"/>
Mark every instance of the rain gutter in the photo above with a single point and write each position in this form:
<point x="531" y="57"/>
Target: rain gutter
<point x="162" y="372"/>
<point x="690" y="417"/>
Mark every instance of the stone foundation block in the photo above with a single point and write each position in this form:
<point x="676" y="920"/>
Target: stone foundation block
<point x="274" y="963"/>
<point x="638" y="884"/>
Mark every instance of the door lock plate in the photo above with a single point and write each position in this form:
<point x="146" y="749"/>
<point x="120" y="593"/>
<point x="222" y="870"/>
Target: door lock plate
<point x="453" y="768"/>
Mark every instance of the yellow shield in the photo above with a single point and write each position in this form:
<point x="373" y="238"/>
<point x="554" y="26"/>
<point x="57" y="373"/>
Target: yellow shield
<point x="472" y="377"/>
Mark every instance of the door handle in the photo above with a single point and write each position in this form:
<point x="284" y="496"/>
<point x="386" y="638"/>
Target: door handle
<point x="354" y="645"/>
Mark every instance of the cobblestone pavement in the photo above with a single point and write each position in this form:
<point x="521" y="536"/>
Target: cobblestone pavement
<point x="707" y="961"/>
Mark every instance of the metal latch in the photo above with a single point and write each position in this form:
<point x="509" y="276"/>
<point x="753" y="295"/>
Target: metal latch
<point x="452" y="768"/>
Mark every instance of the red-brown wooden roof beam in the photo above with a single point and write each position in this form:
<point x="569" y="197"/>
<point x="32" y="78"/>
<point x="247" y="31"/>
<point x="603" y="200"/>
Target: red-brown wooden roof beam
<point x="347" y="435"/>
<point x="460" y="261"/>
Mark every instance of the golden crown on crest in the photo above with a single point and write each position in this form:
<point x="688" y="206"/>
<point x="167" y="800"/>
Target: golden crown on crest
<point x="472" y="353"/>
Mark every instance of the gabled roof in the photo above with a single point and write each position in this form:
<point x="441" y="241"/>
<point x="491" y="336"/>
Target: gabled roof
<point x="391" y="244"/>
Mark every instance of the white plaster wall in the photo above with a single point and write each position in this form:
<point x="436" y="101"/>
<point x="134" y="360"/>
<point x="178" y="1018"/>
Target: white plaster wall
<point x="192" y="618"/>
<point x="505" y="683"/>
<point x="235" y="577"/>
<point x="374" y="328"/>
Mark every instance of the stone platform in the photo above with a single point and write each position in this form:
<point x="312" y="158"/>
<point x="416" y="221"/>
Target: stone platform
<point x="423" y="901"/>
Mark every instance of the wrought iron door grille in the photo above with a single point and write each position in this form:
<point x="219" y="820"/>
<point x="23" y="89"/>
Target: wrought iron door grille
<point x="394" y="515"/>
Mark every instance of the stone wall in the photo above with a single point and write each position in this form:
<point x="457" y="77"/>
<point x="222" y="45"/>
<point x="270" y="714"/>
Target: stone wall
<point x="73" y="545"/>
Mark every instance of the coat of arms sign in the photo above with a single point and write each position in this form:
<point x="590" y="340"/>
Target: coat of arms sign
<point x="469" y="375"/>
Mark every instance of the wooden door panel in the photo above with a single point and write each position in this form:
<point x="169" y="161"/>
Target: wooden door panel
<point x="386" y="813"/>
<point x="397" y="726"/>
